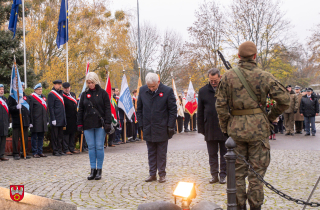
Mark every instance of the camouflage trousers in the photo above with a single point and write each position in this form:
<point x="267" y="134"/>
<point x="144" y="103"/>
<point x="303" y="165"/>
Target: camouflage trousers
<point x="257" y="153"/>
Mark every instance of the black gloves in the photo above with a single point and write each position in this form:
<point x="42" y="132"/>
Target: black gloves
<point x="226" y="135"/>
<point x="107" y="128"/>
<point x="80" y="128"/>
<point x="170" y="132"/>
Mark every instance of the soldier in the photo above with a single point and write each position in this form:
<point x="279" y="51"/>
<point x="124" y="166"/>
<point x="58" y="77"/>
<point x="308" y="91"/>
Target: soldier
<point x="39" y="120"/>
<point x="290" y="112"/>
<point x="298" y="119"/>
<point x="71" y="106"/>
<point x="4" y="123"/>
<point x="57" y="117"/>
<point x="242" y="117"/>
<point x="16" y="127"/>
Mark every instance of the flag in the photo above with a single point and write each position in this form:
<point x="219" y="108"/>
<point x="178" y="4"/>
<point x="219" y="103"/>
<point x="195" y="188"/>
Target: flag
<point x="125" y="101"/>
<point x="113" y="103"/>
<point x="138" y="89"/>
<point x="14" y="16"/>
<point x="84" y="84"/>
<point x="175" y="93"/>
<point x="16" y="85"/>
<point x="191" y="102"/>
<point x="63" y="35"/>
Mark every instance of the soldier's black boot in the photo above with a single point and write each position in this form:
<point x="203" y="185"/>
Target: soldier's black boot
<point x="98" y="175"/>
<point x="243" y="207"/>
<point x="255" y="208"/>
<point x="92" y="174"/>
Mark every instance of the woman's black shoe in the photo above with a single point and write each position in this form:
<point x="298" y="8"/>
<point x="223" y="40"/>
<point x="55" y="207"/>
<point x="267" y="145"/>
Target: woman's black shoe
<point x="98" y="175"/>
<point x="93" y="174"/>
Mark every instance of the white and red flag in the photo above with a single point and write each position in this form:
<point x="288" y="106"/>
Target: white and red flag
<point x="191" y="101"/>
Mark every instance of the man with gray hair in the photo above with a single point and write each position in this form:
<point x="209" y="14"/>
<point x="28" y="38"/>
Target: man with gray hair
<point x="157" y="113"/>
<point x="208" y="125"/>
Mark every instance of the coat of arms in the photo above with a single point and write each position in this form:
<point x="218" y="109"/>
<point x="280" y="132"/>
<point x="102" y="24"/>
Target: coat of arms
<point x="17" y="192"/>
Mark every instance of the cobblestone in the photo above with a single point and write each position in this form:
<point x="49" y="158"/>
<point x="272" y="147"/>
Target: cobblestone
<point x="122" y="186"/>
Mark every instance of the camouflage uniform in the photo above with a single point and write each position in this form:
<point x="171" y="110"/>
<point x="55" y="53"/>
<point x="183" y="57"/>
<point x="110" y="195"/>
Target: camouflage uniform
<point x="250" y="131"/>
<point x="289" y="113"/>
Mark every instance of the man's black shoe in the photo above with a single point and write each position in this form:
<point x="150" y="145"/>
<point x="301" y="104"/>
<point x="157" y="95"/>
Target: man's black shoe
<point x="222" y="180"/>
<point x="162" y="179"/>
<point x="27" y="156"/>
<point x="214" y="179"/>
<point x="313" y="134"/>
<point x="299" y="132"/>
<point x="281" y="132"/>
<point x="92" y="174"/>
<point x="98" y="175"/>
<point x="187" y="130"/>
<point x="291" y="134"/>
<point x="62" y="153"/>
<point x="116" y="143"/>
<point x="194" y="129"/>
<point x="244" y="207"/>
<point x="151" y="179"/>
<point x="307" y="134"/>
<point x="36" y="156"/>
<point x="56" y="154"/>
<point x="254" y="208"/>
<point x="287" y="134"/>
<point x="16" y="157"/>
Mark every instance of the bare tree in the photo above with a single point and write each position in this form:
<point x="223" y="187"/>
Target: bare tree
<point x="260" y="21"/>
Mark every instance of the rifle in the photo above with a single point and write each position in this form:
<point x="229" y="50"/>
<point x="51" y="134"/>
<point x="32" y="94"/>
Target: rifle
<point x="226" y="63"/>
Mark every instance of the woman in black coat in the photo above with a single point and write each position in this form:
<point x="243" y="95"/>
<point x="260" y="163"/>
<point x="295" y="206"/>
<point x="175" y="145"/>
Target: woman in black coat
<point x="39" y="120"/>
<point x="94" y="118"/>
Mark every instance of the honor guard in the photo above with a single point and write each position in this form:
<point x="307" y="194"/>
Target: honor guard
<point x="57" y="117"/>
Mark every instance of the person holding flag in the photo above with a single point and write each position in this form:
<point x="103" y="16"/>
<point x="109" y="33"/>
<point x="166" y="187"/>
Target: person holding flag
<point x="4" y="123"/>
<point x="157" y="113"/>
<point x="94" y="119"/>
<point x="57" y="117"/>
<point x="39" y="120"/>
<point x="191" y="106"/>
<point x="15" y="103"/>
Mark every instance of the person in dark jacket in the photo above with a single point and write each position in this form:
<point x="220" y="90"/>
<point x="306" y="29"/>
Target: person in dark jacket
<point x="39" y="120"/>
<point x="309" y="108"/>
<point x="208" y="125"/>
<point x="16" y="127"/>
<point x="157" y="113"/>
<point x="57" y="117"/>
<point x="4" y="123"/>
<point x="71" y="106"/>
<point x="93" y="108"/>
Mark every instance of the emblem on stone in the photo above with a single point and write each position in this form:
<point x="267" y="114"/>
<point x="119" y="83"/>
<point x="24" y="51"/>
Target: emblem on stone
<point x="17" y="192"/>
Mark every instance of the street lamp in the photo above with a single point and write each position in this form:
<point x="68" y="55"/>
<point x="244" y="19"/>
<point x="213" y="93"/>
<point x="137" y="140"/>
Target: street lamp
<point x="186" y="191"/>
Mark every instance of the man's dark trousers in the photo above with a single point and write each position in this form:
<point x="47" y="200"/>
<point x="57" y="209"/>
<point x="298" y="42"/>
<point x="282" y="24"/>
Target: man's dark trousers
<point x="308" y="121"/>
<point x="16" y="134"/>
<point x="37" y="142"/>
<point x="186" y="120"/>
<point x="157" y="157"/>
<point x="2" y="145"/>
<point x="68" y="142"/>
<point x="56" y="139"/>
<point x="213" y="148"/>
<point x="111" y="139"/>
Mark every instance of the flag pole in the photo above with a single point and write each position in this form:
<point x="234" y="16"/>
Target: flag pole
<point x="139" y="47"/>
<point x="108" y="136"/>
<point x="67" y="34"/>
<point x="124" y="122"/>
<point x="24" y="46"/>
<point x="21" y="124"/>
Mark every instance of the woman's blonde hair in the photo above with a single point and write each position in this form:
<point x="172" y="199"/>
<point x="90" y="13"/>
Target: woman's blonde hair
<point x="93" y="77"/>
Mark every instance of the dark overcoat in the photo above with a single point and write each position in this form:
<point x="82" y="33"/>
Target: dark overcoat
<point x="71" y="114"/>
<point x="12" y="103"/>
<point x="309" y="106"/>
<point x="39" y="115"/>
<point x="56" y="109"/>
<point x="4" y="116"/>
<point x="207" y="117"/>
<point x="156" y="113"/>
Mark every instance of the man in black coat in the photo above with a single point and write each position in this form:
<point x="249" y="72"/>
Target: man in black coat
<point x="39" y="120"/>
<point x="71" y="106"/>
<point x="57" y="117"/>
<point x="208" y="125"/>
<point x="4" y="123"/>
<point x="157" y="113"/>
<point x="16" y="128"/>
<point x="309" y="108"/>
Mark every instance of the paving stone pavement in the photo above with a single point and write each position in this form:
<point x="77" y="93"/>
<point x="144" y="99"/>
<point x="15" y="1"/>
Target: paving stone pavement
<point x="122" y="186"/>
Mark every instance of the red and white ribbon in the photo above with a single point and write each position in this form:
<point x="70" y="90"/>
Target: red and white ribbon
<point x="70" y="98"/>
<point x="4" y="104"/>
<point x="58" y="96"/>
<point x="40" y="100"/>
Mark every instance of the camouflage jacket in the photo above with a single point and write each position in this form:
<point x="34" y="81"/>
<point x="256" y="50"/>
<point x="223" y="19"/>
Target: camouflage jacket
<point x="294" y="103"/>
<point x="231" y="95"/>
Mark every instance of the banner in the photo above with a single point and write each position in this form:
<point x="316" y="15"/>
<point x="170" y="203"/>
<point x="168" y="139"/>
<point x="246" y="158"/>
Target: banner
<point x="125" y="101"/>
<point x="14" y="16"/>
<point x="175" y="93"/>
<point x="191" y="101"/>
<point x="63" y="36"/>
<point x="113" y="103"/>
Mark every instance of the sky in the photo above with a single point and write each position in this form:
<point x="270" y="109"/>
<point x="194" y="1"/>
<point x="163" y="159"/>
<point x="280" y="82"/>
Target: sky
<point x="178" y="15"/>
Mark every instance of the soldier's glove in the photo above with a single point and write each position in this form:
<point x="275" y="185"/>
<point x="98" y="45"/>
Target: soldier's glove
<point x="107" y="128"/>
<point x="80" y="128"/>
<point x="226" y="135"/>
<point x="170" y="132"/>
<point x="31" y="126"/>
<point x="18" y="106"/>
<point x="54" y="122"/>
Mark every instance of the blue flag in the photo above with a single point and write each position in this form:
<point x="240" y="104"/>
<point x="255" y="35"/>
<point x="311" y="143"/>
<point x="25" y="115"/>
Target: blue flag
<point x="63" y="35"/>
<point x="125" y="101"/>
<point x="13" y="88"/>
<point x="14" y="16"/>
